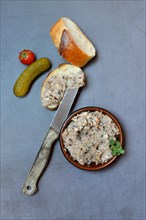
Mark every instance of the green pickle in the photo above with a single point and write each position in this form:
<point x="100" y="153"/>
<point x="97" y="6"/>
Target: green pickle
<point x="25" y="80"/>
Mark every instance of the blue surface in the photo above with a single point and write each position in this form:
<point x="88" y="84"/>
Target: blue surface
<point x="115" y="81"/>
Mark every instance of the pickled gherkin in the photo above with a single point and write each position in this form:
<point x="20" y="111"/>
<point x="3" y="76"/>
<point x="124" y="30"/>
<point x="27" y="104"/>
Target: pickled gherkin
<point x="27" y="77"/>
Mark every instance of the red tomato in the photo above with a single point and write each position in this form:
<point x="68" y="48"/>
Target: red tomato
<point x="27" y="57"/>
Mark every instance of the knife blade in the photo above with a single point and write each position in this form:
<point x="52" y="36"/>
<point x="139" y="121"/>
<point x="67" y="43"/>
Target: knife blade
<point x="30" y="186"/>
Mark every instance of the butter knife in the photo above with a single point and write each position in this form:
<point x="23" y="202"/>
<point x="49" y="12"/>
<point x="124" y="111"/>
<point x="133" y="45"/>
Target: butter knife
<point x="30" y="186"/>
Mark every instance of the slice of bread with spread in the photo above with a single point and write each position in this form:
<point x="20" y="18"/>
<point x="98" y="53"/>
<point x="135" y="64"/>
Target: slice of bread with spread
<point x="71" y="43"/>
<point x="65" y="77"/>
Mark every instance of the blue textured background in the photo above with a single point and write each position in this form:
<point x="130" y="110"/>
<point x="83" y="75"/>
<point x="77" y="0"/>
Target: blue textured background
<point x="115" y="81"/>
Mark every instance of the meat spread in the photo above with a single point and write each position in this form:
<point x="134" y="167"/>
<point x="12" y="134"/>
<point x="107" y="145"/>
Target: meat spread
<point x="56" y="86"/>
<point x="87" y="137"/>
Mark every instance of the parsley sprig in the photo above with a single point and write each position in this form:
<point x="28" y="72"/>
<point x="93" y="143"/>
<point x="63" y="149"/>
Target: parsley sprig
<point x="116" y="147"/>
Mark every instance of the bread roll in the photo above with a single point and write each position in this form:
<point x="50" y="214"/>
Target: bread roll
<point x="71" y="43"/>
<point x="65" y="77"/>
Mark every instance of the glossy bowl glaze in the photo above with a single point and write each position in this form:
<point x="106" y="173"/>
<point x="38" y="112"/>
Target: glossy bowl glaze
<point x="92" y="166"/>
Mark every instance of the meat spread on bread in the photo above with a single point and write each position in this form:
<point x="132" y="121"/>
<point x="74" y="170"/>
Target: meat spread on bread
<point x="71" y="43"/>
<point x="65" y="77"/>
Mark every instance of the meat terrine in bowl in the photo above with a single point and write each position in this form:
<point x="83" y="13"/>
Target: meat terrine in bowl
<point x="86" y="137"/>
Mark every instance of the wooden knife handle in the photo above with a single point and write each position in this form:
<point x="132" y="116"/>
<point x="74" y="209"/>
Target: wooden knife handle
<point x="30" y="186"/>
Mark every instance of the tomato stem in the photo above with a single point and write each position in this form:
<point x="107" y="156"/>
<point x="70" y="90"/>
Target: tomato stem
<point x="24" y="54"/>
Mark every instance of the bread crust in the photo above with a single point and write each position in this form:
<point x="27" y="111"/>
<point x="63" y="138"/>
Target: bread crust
<point x="71" y="52"/>
<point x="66" y="45"/>
<point x="56" y="32"/>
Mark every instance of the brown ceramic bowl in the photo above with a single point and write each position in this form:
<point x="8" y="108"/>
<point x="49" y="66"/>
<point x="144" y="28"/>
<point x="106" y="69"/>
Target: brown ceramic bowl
<point x="92" y="166"/>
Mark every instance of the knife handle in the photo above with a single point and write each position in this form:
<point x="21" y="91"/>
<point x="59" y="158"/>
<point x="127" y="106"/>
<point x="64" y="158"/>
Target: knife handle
<point x="30" y="186"/>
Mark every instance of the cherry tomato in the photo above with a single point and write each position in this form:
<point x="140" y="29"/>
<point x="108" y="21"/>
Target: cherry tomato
<point x="27" y="57"/>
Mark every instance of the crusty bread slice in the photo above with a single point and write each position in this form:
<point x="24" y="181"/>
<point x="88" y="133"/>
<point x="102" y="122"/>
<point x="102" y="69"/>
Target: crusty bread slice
<point x="65" y="77"/>
<point x="71" y="43"/>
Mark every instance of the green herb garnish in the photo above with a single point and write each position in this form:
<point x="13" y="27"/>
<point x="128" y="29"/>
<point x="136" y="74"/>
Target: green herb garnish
<point x="116" y="147"/>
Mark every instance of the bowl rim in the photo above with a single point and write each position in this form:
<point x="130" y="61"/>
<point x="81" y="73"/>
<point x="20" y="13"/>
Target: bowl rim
<point x="65" y="124"/>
